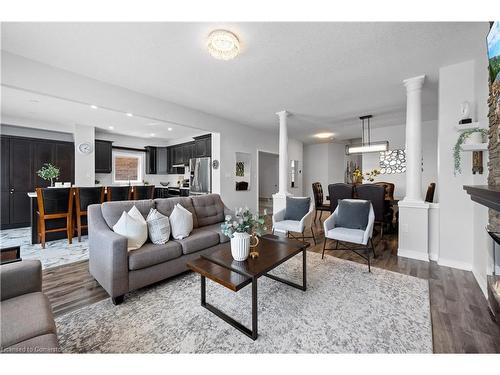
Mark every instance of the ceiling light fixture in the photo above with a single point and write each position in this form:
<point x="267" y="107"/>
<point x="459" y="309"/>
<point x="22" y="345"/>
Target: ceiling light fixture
<point x="223" y="45"/>
<point x="111" y="127"/>
<point x="366" y="144"/>
<point x="169" y="129"/>
<point x="324" y="135"/>
<point x="152" y="134"/>
<point x="93" y="106"/>
<point x="129" y="114"/>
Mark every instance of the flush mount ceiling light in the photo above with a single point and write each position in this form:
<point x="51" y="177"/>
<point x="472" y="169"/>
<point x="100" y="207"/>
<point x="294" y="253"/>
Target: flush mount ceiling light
<point x="366" y="144"/>
<point x="223" y="45"/>
<point x="93" y="106"/>
<point x="324" y="135"/>
<point x="129" y="114"/>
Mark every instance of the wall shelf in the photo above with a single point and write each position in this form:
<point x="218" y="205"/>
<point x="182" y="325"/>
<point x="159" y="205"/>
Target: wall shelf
<point x="475" y="147"/>
<point x="472" y="125"/>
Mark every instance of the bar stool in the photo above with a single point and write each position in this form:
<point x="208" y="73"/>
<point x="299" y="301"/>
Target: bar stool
<point x="84" y="197"/>
<point x="55" y="212"/>
<point x="118" y="193"/>
<point x="143" y="192"/>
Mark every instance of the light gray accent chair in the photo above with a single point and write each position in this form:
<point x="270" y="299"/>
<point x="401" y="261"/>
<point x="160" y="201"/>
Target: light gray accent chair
<point x="348" y="236"/>
<point x="27" y="323"/>
<point x="119" y="271"/>
<point x="295" y="226"/>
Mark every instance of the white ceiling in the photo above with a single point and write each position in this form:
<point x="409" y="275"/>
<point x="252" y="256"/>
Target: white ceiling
<point x="326" y="74"/>
<point x="20" y="104"/>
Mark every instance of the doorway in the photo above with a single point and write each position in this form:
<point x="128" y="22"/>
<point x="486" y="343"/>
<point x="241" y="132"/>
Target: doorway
<point x="268" y="180"/>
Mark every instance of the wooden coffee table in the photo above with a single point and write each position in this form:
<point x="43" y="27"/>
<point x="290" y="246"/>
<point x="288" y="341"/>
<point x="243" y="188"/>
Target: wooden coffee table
<point x="220" y="267"/>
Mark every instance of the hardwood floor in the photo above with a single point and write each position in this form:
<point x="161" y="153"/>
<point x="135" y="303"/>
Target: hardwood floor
<point x="460" y="317"/>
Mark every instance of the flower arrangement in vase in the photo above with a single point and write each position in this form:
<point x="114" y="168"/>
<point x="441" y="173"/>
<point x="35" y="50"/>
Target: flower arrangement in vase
<point x="358" y="176"/>
<point x="241" y="229"/>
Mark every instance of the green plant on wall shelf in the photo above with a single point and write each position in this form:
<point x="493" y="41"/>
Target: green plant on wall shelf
<point x="48" y="172"/>
<point x="457" y="157"/>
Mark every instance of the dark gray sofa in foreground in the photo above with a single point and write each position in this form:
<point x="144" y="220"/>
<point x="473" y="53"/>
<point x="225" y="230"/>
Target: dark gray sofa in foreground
<point x="27" y="323"/>
<point x="119" y="271"/>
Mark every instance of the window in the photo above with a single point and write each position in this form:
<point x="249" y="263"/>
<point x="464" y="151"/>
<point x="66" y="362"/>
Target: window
<point x="128" y="167"/>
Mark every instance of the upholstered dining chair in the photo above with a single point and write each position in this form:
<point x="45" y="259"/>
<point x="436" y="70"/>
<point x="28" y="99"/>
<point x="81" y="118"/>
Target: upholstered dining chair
<point x="84" y="197"/>
<point x="144" y="192"/>
<point x="55" y="212"/>
<point x="339" y="191"/>
<point x="376" y="195"/>
<point x="337" y="228"/>
<point x="118" y="193"/>
<point x="282" y="223"/>
<point x="389" y="189"/>
<point x="318" y="200"/>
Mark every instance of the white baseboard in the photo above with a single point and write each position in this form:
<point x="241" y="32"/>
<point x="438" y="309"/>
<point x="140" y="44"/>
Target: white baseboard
<point x="412" y="254"/>
<point x="455" y="264"/>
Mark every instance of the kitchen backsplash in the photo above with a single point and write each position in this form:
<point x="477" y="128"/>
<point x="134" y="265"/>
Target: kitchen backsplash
<point x="152" y="179"/>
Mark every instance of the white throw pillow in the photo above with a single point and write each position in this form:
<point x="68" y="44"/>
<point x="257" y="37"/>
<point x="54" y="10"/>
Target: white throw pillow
<point x="132" y="227"/>
<point x="158" y="227"/>
<point x="181" y="222"/>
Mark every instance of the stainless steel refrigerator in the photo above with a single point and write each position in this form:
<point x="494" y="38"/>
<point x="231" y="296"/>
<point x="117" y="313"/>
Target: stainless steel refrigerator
<point x="201" y="174"/>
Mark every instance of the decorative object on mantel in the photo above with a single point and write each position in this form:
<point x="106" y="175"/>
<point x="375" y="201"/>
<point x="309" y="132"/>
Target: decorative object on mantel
<point x="366" y="144"/>
<point x="465" y="112"/>
<point x="468" y="137"/>
<point x="48" y="172"/>
<point x="242" y="229"/>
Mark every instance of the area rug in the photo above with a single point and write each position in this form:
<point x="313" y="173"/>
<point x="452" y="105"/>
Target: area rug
<point x="56" y="253"/>
<point x="344" y="310"/>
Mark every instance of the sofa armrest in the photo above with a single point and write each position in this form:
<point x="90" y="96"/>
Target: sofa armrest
<point x="329" y="223"/>
<point x="20" y="278"/>
<point x="108" y="254"/>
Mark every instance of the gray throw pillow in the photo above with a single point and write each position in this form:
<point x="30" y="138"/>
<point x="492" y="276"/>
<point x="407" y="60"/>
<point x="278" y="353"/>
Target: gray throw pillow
<point x="352" y="213"/>
<point x="296" y="208"/>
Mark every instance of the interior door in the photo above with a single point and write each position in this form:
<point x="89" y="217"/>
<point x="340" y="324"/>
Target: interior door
<point x="4" y="182"/>
<point x="21" y="180"/>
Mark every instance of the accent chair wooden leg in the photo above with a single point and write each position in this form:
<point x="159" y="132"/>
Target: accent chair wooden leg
<point x="324" y="246"/>
<point x="373" y="248"/>
<point x="368" y="257"/>
<point x="314" y="238"/>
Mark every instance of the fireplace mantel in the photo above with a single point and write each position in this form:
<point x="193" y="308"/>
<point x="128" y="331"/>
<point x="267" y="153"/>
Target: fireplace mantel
<point x="488" y="196"/>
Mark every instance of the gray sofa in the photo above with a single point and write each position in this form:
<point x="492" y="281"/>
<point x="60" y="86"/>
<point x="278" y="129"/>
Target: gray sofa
<point x="119" y="271"/>
<point x="27" y="323"/>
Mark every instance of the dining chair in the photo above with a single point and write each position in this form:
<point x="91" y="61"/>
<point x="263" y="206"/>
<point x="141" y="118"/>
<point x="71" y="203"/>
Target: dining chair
<point x="84" y="197"/>
<point x="337" y="228"/>
<point x="389" y="189"/>
<point x="339" y="191"/>
<point x="55" y="212"/>
<point x="118" y="193"/>
<point x="143" y="192"/>
<point x="376" y="195"/>
<point x="429" y="196"/>
<point x="290" y="226"/>
<point x="318" y="200"/>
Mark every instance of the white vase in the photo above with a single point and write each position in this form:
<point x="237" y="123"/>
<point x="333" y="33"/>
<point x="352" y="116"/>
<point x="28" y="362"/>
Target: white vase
<point x="240" y="246"/>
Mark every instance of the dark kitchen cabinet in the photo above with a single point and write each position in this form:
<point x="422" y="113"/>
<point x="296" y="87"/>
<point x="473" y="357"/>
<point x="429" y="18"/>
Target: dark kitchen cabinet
<point x="161" y="161"/>
<point x="21" y="158"/>
<point x="178" y="154"/>
<point x="103" y="156"/>
<point x="203" y="146"/>
<point x="188" y="152"/>
<point x="151" y="159"/>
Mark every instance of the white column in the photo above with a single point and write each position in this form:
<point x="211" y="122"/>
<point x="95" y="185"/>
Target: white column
<point x="283" y="153"/>
<point x="279" y="199"/>
<point x="413" y="241"/>
<point x="414" y="138"/>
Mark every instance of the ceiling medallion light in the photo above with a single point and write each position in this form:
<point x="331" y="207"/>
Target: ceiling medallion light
<point x="366" y="144"/>
<point x="223" y="45"/>
<point x="324" y="135"/>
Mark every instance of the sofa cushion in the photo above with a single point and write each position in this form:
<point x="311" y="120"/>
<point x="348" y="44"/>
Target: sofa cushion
<point x="25" y="317"/>
<point x="40" y="344"/>
<point x="181" y="222"/>
<point x="352" y="213"/>
<point x="297" y="208"/>
<point x="209" y="209"/>
<point x="150" y="254"/>
<point x="216" y="229"/>
<point x="347" y="235"/>
<point x="166" y="205"/>
<point x="198" y="240"/>
<point x="132" y="226"/>
<point x="158" y="227"/>
<point x="112" y="211"/>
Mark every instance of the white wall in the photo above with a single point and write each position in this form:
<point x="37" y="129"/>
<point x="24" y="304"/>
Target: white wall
<point x="463" y="240"/>
<point x="84" y="163"/>
<point x="268" y="174"/>
<point x="396" y="137"/>
<point x="234" y="137"/>
<point x="296" y="152"/>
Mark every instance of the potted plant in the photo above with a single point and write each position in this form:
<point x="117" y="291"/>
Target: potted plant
<point x="370" y="176"/>
<point x="468" y="136"/>
<point x="241" y="229"/>
<point x="48" y="172"/>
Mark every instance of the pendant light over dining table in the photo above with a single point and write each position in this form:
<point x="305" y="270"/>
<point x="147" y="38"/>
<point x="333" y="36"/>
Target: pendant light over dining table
<point x="366" y="145"/>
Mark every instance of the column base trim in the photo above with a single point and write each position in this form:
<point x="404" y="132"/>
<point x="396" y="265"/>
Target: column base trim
<point x="412" y="254"/>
